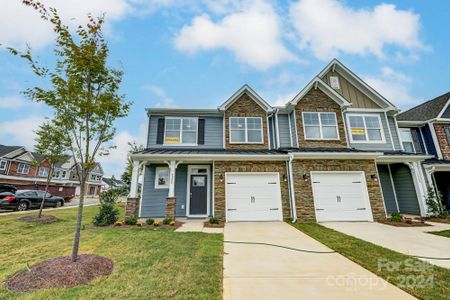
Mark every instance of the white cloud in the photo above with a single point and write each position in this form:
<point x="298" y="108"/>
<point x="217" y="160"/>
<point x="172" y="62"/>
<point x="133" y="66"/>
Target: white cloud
<point x="329" y="27"/>
<point x="20" y="24"/>
<point x="12" y="102"/>
<point x="252" y="34"/>
<point x="20" y="132"/>
<point x="394" y="86"/>
<point x="162" y="100"/>
<point x="283" y="99"/>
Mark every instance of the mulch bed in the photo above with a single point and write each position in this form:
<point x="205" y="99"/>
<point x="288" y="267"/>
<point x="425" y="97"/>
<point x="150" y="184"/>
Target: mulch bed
<point x="210" y="225"/>
<point x="439" y="220"/>
<point x="35" y="219"/>
<point x="404" y="224"/>
<point x="60" y="272"/>
<point x="144" y="225"/>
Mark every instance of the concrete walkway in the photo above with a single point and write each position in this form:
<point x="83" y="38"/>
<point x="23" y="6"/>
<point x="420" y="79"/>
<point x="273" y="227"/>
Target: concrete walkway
<point x="407" y="240"/>
<point x="267" y="272"/>
<point x="196" y="225"/>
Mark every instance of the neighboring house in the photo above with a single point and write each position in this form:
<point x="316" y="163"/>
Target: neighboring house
<point x="25" y="168"/>
<point x="112" y="183"/>
<point x="330" y="154"/>
<point x="426" y="129"/>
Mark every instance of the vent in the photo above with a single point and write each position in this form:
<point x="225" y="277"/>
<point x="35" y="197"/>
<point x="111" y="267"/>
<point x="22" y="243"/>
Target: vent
<point x="334" y="82"/>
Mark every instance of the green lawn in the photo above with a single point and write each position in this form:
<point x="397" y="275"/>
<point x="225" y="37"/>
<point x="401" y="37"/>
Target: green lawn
<point x="149" y="264"/>
<point x="424" y="282"/>
<point x="445" y="233"/>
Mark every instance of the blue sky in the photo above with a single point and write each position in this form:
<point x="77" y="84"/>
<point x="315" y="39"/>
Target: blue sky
<point x="197" y="53"/>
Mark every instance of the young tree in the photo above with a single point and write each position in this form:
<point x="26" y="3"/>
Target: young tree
<point x="126" y="175"/>
<point x="52" y="143"/>
<point x="83" y="93"/>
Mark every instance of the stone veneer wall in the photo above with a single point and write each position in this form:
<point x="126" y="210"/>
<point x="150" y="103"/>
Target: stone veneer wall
<point x="317" y="101"/>
<point x="132" y="207"/>
<point x="246" y="107"/>
<point x="220" y="167"/>
<point x="442" y="139"/>
<point x="303" y="189"/>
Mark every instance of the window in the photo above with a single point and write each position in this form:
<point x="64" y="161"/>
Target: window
<point x="320" y="126"/>
<point x="56" y="174"/>
<point x="43" y="172"/>
<point x="162" y="178"/>
<point x="63" y="174"/>
<point x="181" y="131"/>
<point x="2" y="164"/>
<point x="334" y="82"/>
<point x="407" y="140"/>
<point x="23" y="169"/>
<point x="365" y="129"/>
<point x="447" y="134"/>
<point x="246" y="130"/>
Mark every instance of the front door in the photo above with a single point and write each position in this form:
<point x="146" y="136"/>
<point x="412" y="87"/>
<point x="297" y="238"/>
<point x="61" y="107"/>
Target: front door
<point x="199" y="195"/>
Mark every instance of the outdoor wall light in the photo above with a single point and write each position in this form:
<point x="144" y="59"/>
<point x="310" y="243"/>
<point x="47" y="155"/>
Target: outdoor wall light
<point x="306" y="177"/>
<point x="221" y="178"/>
<point x="284" y="177"/>
<point x="374" y="177"/>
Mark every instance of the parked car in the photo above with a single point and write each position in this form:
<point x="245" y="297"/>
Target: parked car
<point x="25" y="199"/>
<point x="7" y="188"/>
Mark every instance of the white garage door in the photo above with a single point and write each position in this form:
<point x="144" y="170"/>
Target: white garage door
<point x="341" y="196"/>
<point x="253" y="197"/>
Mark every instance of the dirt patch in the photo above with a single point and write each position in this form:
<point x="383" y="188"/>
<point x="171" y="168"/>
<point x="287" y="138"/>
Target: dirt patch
<point x="35" y="219"/>
<point x="60" y="272"/>
<point x="211" y="225"/>
<point x="439" y="220"/>
<point x="404" y="223"/>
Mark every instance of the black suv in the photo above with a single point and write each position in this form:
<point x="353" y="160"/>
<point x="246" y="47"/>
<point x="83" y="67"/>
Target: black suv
<point x="25" y="199"/>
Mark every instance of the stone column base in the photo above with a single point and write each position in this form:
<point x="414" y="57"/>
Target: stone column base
<point x="132" y="207"/>
<point x="170" y="207"/>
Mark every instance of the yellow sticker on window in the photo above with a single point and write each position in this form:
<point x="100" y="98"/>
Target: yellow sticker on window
<point x="172" y="140"/>
<point x="358" y="131"/>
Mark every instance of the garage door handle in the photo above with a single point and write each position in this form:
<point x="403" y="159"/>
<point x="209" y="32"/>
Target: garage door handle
<point x="231" y="182"/>
<point x="320" y="209"/>
<point x="361" y="208"/>
<point x="232" y="209"/>
<point x="356" y="182"/>
<point x="274" y="209"/>
<point x="272" y="183"/>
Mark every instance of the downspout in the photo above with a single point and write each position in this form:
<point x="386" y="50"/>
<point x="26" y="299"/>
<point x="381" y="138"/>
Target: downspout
<point x="291" y="189"/>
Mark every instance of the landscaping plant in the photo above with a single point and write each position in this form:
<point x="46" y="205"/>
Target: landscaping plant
<point x="396" y="217"/>
<point x="82" y="91"/>
<point x="108" y="212"/>
<point x="130" y="220"/>
<point x="434" y="202"/>
<point x="150" y="221"/>
<point x="214" y="220"/>
<point x="167" y="221"/>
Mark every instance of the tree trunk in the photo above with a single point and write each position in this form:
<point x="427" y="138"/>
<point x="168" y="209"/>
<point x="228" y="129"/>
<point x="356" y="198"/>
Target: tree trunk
<point x="49" y="175"/>
<point x="76" y="241"/>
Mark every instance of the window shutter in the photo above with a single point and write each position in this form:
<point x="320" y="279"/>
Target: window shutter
<point x="201" y="132"/>
<point x="447" y="133"/>
<point x="160" y="136"/>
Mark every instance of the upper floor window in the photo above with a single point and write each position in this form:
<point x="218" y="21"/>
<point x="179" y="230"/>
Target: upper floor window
<point x="320" y="126"/>
<point x="3" y="164"/>
<point x="365" y="128"/>
<point x="43" y="172"/>
<point x="246" y="130"/>
<point x="181" y="131"/>
<point x="56" y="174"/>
<point x="447" y="134"/>
<point x="407" y="140"/>
<point x="23" y="169"/>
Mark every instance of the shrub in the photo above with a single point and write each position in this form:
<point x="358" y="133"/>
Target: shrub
<point x="167" y="221"/>
<point x="434" y="203"/>
<point x="396" y="217"/>
<point x="108" y="213"/>
<point x="130" y="220"/>
<point x="214" y="220"/>
<point x="150" y="221"/>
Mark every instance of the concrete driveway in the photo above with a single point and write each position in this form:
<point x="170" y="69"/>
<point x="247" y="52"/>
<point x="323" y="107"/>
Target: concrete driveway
<point x="266" y="272"/>
<point x="407" y="240"/>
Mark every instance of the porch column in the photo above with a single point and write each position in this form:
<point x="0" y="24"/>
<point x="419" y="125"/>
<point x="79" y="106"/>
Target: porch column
<point x="419" y="183"/>
<point x="134" y="180"/>
<point x="171" y="199"/>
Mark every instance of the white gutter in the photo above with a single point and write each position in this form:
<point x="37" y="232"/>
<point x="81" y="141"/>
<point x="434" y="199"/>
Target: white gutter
<point x="196" y="157"/>
<point x="291" y="189"/>
<point x="403" y="158"/>
<point x="331" y="155"/>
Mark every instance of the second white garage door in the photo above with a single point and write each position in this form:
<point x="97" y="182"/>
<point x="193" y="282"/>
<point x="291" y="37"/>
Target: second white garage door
<point x="341" y="196"/>
<point x="253" y="197"/>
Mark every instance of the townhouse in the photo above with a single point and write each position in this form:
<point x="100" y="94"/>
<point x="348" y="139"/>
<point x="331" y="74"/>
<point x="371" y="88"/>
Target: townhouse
<point x="26" y="169"/>
<point x="426" y="129"/>
<point x="332" y="153"/>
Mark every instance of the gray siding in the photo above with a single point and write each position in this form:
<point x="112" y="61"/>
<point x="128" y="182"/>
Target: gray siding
<point x="387" y="146"/>
<point x="284" y="130"/>
<point x="387" y="188"/>
<point x="404" y="189"/>
<point x="394" y="132"/>
<point x="293" y="132"/>
<point x="213" y="133"/>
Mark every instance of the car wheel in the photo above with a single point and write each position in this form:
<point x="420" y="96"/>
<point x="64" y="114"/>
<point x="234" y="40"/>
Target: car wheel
<point x="23" y="206"/>
<point x="59" y="203"/>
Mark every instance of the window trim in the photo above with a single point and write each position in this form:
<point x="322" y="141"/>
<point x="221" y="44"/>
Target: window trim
<point x="246" y="131"/>
<point x="4" y="167"/>
<point x="181" y="132"/>
<point x="411" y="141"/>
<point x="367" y="141"/>
<point x="338" y="138"/>
<point x="28" y="169"/>
<point x="161" y="187"/>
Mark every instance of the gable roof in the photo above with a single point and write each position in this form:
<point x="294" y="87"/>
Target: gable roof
<point x="246" y="89"/>
<point x="319" y="83"/>
<point x="5" y="150"/>
<point x="426" y="111"/>
<point x="351" y="77"/>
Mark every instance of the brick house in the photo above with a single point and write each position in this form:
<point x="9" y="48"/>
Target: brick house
<point x="426" y="129"/>
<point x="324" y="156"/>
